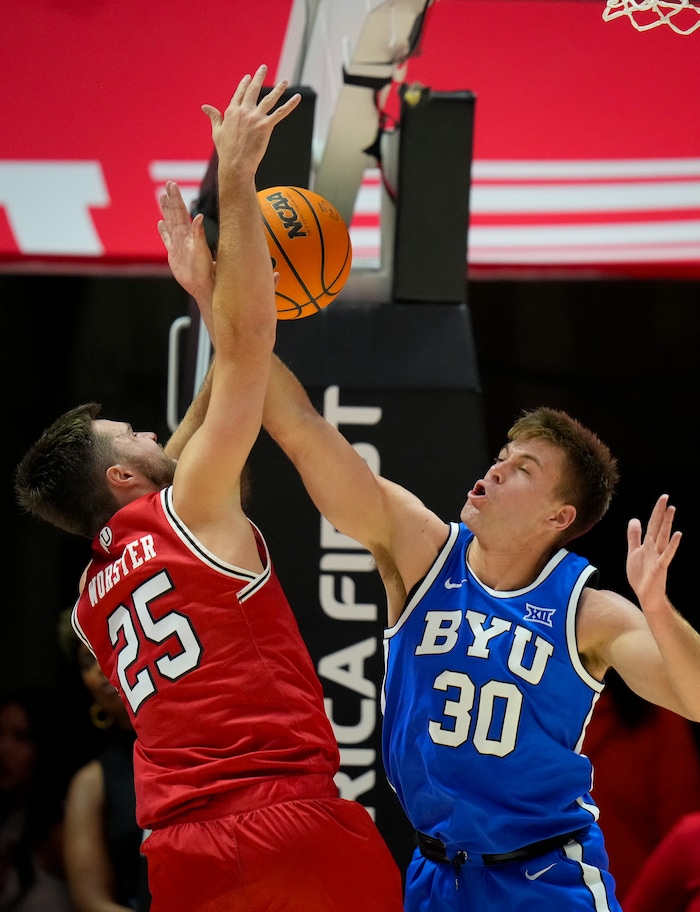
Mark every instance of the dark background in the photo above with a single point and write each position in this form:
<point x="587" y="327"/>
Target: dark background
<point x="621" y="356"/>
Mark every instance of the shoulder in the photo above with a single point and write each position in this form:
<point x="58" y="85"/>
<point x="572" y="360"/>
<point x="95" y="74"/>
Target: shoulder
<point x="605" y="606"/>
<point x="403" y="505"/>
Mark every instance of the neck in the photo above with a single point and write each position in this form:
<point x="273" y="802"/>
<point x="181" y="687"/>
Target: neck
<point x="506" y="570"/>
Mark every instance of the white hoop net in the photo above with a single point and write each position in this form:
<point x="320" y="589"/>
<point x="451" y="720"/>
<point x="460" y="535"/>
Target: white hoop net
<point x="680" y="15"/>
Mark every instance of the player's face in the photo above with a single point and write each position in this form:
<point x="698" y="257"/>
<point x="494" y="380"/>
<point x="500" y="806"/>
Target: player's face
<point x="140" y="449"/>
<point x="518" y="493"/>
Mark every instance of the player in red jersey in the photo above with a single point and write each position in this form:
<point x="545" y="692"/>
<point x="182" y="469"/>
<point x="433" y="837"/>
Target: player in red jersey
<point x="234" y="758"/>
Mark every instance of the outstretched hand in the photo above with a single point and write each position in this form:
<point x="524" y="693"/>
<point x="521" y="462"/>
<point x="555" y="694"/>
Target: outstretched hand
<point x="241" y="136"/>
<point x="239" y="149"/>
<point x="189" y="257"/>
<point x="649" y="557"/>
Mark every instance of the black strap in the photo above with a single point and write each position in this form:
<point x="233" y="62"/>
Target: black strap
<point x="435" y="850"/>
<point x="431" y="848"/>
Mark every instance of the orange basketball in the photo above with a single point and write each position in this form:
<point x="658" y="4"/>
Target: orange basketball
<point x="310" y="248"/>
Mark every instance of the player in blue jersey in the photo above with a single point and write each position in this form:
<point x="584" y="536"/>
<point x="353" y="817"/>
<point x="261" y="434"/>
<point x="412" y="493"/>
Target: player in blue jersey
<point x="497" y="646"/>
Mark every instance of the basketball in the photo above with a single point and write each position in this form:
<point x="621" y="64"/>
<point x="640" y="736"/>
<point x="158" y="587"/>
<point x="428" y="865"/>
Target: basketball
<point x="310" y="248"/>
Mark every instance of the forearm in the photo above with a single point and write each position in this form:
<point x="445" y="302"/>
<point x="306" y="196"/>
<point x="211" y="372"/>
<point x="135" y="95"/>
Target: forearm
<point x="193" y="418"/>
<point x="286" y="405"/>
<point x="341" y="484"/>
<point x="679" y="645"/>
<point x="244" y="314"/>
<point x="204" y="302"/>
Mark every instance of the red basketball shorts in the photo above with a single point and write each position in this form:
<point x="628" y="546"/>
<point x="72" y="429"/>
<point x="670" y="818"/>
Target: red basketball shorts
<point x="321" y="854"/>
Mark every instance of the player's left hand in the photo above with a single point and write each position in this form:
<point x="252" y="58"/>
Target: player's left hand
<point x="649" y="557"/>
<point x="189" y="257"/>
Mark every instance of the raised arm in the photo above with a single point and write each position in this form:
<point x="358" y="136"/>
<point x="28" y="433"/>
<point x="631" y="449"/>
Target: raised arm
<point x="192" y="419"/>
<point x="370" y="509"/>
<point x="400" y="532"/>
<point x="189" y="257"/>
<point x="244" y="317"/>
<point x="289" y="415"/>
<point x="649" y="556"/>
<point x="191" y="264"/>
<point x="341" y="484"/>
<point x="655" y="650"/>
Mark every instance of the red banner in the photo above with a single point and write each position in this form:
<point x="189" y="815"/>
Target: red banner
<point x="586" y="156"/>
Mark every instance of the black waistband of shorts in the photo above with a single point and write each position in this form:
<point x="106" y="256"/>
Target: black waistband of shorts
<point x="435" y="850"/>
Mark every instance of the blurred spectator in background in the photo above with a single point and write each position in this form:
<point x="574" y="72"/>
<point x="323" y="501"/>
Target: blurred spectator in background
<point x="105" y="869"/>
<point x="32" y="788"/>
<point x="669" y="880"/>
<point x="646" y="767"/>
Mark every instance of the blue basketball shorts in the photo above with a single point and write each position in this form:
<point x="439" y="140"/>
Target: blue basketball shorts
<point x="571" y="878"/>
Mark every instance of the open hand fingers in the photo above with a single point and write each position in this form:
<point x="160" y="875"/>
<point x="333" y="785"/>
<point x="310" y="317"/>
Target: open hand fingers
<point x="659" y="543"/>
<point x="267" y="103"/>
<point x="248" y="93"/>
<point x="243" y="86"/>
<point x="660" y="523"/>
<point x="165" y="224"/>
<point x="634" y="534"/>
<point x="252" y="89"/>
<point x="242" y="132"/>
<point x="198" y="224"/>
<point x="657" y="515"/>
<point x="174" y="209"/>
<point x="176" y="217"/>
<point x="664" y="533"/>
<point x="213" y="114"/>
<point x="164" y="234"/>
<point x="666" y="556"/>
<point x="283" y="110"/>
<point x="666" y="541"/>
<point x="247" y="90"/>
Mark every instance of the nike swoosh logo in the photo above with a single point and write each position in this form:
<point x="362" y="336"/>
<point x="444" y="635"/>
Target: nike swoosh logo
<point x="539" y="873"/>
<point x="450" y="585"/>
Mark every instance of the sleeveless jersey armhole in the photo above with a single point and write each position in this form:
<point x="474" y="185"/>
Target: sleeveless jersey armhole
<point x="420" y="588"/>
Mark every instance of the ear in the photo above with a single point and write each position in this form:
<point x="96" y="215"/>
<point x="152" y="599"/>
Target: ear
<point x="119" y="476"/>
<point x="564" y="517"/>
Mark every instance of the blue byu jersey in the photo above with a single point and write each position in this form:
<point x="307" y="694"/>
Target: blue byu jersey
<point x="486" y="703"/>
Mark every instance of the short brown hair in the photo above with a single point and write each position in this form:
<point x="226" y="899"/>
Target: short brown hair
<point x="61" y="478"/>
<point x="590" y="470"/>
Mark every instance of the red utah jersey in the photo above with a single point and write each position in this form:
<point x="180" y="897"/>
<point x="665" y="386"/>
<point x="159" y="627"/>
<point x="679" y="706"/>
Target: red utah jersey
<point x="208" y="659"/>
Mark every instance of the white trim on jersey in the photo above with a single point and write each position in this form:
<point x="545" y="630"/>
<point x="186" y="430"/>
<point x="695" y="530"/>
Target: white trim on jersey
<point x="574" y="655"/>
<point x="192" y="543"/>
<point x="590" y="875"/>
<point x="427" y="581"/>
